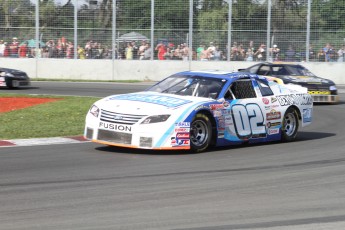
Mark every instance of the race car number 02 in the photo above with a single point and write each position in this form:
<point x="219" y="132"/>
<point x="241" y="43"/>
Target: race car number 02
<point x="248" y="120"/>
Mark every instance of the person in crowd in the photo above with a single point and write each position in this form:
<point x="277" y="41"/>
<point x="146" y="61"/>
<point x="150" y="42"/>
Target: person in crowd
<point x="211" y="48"/>
<point x="290" y="54"/>
<point x="199" y="50"/>
<point x="23" y="50"/>
<point x="81" y="52"/>
<point x="341" y="54"/>
<point x="170" y="52"/>
<point x="14" y="47"/>
<point x="185" y="52"/>
<point x="249" y="55"/>
<point x="330" y="54"/>
<point x="135" y="50"/>
<point x="69" y="50"/>
<point x="321" y="56"/>
<point x="274" y="52"/>
<point x="50" y="45"/>
<point x="147" y="52"/>
<point x="161" y="50"/>
<point x="234" y="52"/>
<point x="60" y="49"/>
<point x="205" y="55"/>
<point x="217" y="54"/>
<point x="2" y="48"/>
<point x="260" y="54"/>
<point x="141" y="50"/>
<point x="177" y="55"/>
<point x="129" y="51"/>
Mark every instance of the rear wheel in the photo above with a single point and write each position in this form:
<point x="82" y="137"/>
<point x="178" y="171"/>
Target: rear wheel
<point x="200" y="133"/>
<point x="290" y="125"/>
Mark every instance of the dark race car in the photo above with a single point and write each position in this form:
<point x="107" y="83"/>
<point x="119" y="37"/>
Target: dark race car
<point x="13" y="78"/>
<point x="322" y="90"/>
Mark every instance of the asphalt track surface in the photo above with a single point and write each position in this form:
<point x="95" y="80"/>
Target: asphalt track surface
<point x="280" y="186"/>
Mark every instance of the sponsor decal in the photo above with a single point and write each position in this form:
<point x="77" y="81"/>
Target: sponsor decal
<point x="201" y="107"/>
<point x="216" y="106"/>
<point x="243" y="75"/>
<point x="273" y="99"/>
<point x="183" y="124"/>
<point x="273" y="124"/>
<point x="265" y="101"/>
<point x="295" y="99"/>
<point x="217" y="113"/>
<point x="154" y="99"/>
<point x="307" y="115"/>
<point x="181" y="130"/>
<point x="176" y="142"/>
<point x="226" y="104"/>
<point x="273" y="115"/>
<point x="273" y="131"/>
<point x="221" y="123"/>
<point x="115" y="127"/>
<point x="182" y="136"/>
<point x="320" y="92"/>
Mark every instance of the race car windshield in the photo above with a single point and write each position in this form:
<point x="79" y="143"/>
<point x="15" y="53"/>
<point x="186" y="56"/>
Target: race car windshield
<point x="190" y="86"/>
<point x="299" y="71"/>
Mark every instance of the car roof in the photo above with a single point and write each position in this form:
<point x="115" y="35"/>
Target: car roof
<point x="280" y="64"/>
<point x="219" y="74"/>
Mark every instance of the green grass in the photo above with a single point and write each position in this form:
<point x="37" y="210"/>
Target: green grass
<point x="64" y="117"/>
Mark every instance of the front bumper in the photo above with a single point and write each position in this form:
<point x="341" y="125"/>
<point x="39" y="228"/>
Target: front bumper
<point x="325" y="98"/>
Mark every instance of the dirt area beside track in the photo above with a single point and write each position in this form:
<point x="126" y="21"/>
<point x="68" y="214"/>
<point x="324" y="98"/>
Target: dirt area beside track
<point x="8" y="104"/>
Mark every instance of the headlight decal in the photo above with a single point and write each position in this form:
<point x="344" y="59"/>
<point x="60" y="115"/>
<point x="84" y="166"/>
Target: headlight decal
<point x="94" y="110"/>
<point x="156" y="119"/>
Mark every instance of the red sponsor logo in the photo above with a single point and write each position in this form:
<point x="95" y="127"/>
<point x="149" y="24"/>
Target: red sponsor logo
<point x="181" y="130"/>
<point x="265" y="101"/>
<point x="216" y="106"/>
<point x="182" y="136"/>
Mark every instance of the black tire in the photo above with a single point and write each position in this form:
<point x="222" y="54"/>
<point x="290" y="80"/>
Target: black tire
<point x="200" y="133"/>
<point x="290" y="125"/>
<point x="10" y="84"/>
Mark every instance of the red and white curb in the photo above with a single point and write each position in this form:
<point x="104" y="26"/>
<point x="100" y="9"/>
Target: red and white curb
<point x="42" y="141"/>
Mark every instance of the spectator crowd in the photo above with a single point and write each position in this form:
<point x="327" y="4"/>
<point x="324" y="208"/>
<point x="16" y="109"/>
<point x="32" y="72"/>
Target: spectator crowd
<point x="142" y="50"/>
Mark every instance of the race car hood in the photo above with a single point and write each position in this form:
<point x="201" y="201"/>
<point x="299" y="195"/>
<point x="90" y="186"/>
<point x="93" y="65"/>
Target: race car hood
<point x="305" y="79"/>
<point x="147" y="103"/>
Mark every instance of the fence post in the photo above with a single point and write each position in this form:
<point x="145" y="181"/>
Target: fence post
<point x="152" y="29"/>
<point x="190" y="37"/>
<point x="308" y="32"/>
<point x="268" y="44"/>
<point x="229" y="30"/>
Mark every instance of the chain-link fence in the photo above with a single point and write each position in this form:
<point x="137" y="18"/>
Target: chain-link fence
<point x="223" y="30"/>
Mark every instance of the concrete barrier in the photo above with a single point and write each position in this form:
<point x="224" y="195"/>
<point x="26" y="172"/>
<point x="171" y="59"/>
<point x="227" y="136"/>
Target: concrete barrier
<point x="106" y="70"/>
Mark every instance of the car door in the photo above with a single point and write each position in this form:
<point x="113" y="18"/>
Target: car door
<point x="246" y="119"/>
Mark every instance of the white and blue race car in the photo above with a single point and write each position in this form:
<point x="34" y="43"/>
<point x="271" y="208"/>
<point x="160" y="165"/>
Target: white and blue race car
<point x="195" y="110"/>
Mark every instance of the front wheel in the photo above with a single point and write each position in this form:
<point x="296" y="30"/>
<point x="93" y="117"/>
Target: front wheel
<point x="290" y="125"/>
<point x="200" y="133"/>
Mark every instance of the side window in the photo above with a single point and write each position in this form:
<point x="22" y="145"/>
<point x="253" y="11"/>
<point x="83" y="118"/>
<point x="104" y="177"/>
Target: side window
<point x="282" y="71"/>
<point x="264" y="70"/>
<point x="254" y="69"/>
<point x="265" y="88"/>
<point x="228" y="95"/>
<point x="243" y="89"/>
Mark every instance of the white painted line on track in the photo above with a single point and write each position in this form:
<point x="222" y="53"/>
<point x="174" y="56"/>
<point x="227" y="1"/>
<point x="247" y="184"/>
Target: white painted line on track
<point x="41" y="141"/>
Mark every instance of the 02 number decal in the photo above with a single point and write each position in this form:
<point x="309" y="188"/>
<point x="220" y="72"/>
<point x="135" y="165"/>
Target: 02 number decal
<point x="249" y="121"/>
